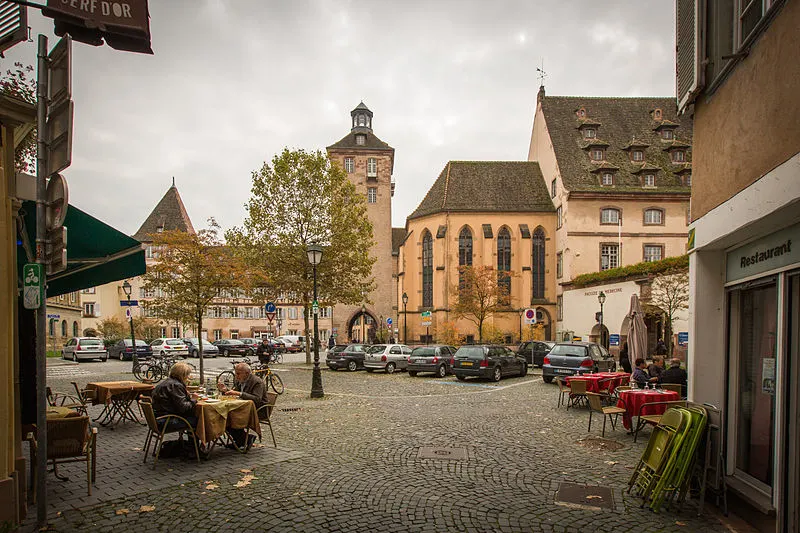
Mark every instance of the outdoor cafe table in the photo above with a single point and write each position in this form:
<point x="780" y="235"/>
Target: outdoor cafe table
<point x="118" y="397"/>
<point x="600" y="381"/>
<point x="632" y="400"/>
<point x="215" y="417"/>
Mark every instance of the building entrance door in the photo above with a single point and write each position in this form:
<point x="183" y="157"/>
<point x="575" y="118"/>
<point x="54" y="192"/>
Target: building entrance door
<point x="791" y="501"/>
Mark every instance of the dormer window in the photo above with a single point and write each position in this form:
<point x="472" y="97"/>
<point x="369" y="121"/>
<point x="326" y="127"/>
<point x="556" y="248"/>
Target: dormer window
<point x="361" y="139"/>
<point x="589" y="133"/>
<point x="607" y="179"/>
<point x="657" y="114"/>
<point x="637" y="155"/>
<point x="581" y="113"/>
<point x="678" y="156"/>
<point x="667" y="134"/>
<point x="597" y="154"/>
<point x="649" y="180"/>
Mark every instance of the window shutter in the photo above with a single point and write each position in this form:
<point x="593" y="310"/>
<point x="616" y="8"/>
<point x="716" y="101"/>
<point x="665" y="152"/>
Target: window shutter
<point x="688" y="22"/>
<point x="97" y="309"/>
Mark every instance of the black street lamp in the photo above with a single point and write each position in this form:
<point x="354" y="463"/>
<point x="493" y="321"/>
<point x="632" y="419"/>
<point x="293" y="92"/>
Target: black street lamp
<point x="314" y="257"/>
<point x="126" y="288"/>
<point x="364" y="323"/>
<point x="602" y="299"/>
<point x="278" y="322"/>
<point x="405" y="320"/>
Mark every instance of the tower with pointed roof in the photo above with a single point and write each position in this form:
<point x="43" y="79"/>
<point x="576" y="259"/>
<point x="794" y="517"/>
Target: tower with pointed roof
<point x="168" y="215"/>
<point x="369" y="163"/>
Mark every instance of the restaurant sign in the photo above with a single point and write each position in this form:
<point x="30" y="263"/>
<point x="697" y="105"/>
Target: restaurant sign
<point x="773" y="252"/>
<point x="123" y="24"/>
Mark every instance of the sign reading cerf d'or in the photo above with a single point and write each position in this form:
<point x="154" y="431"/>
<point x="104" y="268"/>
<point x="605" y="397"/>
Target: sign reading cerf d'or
<point x="123" y="24"/>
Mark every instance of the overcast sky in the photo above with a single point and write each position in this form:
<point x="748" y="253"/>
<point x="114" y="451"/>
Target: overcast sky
<point x="233" y="82"/>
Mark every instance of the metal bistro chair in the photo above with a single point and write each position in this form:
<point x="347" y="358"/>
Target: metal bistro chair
<point x="83" y="396"/>
<point x="265" y="414"/>
<point x="60" y="399"/>
<point x="155" y="435"/>
<point x="563" y="390"/>
<point x="577" y="393"/>
<point x="596" y="405"/>
<point x="674" y="387"/>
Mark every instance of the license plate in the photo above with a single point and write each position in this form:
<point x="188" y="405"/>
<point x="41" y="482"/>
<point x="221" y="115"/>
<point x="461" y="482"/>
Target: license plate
<point x="563" y="371"/>
<point x="466" y="363"/>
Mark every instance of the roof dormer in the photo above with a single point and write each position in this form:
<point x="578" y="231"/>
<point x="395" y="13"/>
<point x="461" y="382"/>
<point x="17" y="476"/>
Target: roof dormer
<point x="588" y="128"/>
<point x="636" y="150"/>
<point x="596" y="149"/>
<point x="666" y="129"/>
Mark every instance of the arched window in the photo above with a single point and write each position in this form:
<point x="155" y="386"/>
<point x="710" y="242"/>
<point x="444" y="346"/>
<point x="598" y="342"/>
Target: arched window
<point x="74" y="329"/>
<point x="504" y="259"/>
<point x="609" y="215"/>
<point x="465" y="248"/>
<point x="537" y="263"/>
<point x="63" y="328"/>
<point x="427" y="269"/>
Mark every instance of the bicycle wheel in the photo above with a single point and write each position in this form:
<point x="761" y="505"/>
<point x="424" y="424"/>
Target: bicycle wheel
<point x="152" y="373"/>
<point x="137" y="370"/>
<point x="276" y="383"/>
<point x="278" y="357"/>
<point x="227" y="378"/>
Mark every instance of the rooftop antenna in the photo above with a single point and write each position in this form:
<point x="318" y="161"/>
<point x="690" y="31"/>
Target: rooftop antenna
<point x="542" y="73"/>
<point x="173" y="181"/>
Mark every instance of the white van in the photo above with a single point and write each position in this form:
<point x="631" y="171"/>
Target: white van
<point x="294" y="343"/>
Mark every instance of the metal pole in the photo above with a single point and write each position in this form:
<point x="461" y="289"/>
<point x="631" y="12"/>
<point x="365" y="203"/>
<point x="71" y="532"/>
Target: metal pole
<point x="316" y="376"/>
<point x="41" y="312"/>
<point x="133" y="338"/>
<point x="405" y="322"/>
<point x="602" y="337"/>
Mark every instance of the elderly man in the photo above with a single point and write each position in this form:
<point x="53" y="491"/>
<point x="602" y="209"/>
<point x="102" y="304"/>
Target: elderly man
<point x="656" y="370"/>
<point x="675" y="374"/>
<point x="248" y="386"/>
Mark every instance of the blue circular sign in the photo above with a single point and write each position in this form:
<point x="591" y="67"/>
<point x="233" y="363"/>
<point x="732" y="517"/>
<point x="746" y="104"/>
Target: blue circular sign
<point x="270" y="307"/>
<point x="389" y="321"/>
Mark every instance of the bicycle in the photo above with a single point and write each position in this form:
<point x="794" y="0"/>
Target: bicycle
<point x="154" y="370"/>
<point x="228" y="378"/>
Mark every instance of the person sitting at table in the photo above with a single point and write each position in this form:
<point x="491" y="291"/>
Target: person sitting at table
<point x="640" y="375"/>
<point x="675" y="374"/>
<point x="248" y="386"/>
<point x="170" y="397"/>
<point x="656" y="370"/>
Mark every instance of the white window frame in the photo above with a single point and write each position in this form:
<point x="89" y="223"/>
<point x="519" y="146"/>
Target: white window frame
<point x="667" y="134"/>
<point x="678" y="156"/>
<point x="361" y="139"/>
<point x="650" y="220"/>
<point x="597" y="154"/>
<point x="292" y="313"/>
<point x="649" y="180"/>
<point x="589" y="133"/>
<point x="649" y="256"/>
<point x="372" y="195"/>
<point x="217" y="334"/>
<point x="637" y="155"/>
<point x="89" y="309"/>
<point x="611" y="253"/>
<point x="234" y="333"/>
<point x="607" y="179"/>
<point x="609" y="219"/>
<point x="372" y="167"/>
<point x="349" y="165"/>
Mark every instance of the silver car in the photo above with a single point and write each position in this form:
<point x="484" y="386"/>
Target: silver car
<point x="386" y="357"/>
<point x="193" y="345"/>
<point x="78" y="348"/>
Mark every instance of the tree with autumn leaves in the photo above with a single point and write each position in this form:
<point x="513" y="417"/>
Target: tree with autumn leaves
<point x="302" y="198"/>
<point x="191" y="271"/>
<point x="480" y="293"/>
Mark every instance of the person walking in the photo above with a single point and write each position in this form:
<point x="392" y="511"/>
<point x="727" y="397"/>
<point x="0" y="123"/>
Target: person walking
<point x="661" y="348"/>
<point x="624" y="362"/>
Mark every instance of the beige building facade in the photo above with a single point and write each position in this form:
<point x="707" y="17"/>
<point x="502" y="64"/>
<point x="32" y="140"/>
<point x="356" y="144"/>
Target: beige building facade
<point x="64" y="318"/>
<point x="619" y="173"/>
<point x="478" y="213"/>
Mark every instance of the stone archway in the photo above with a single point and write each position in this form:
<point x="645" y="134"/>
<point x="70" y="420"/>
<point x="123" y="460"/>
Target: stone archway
<point x="599" y="335"/>
<point x="543" y="317"/>
<point x="361" y="327"/>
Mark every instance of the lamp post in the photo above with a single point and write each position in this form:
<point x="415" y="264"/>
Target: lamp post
<point x="380" y="329"/>
<point x="602" y="299"/>
<point x="405" y="320"/>
<point x="126" y="288"/>
<point x="278" y="322"/>
<point x="364" y="323"/>
<point x="314" y="257"/>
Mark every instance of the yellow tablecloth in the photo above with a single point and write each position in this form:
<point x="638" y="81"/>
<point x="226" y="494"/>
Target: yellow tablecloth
<point x="214" y="418"/>
<point x="61" y="412"/>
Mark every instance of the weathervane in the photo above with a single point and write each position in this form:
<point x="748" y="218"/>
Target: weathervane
<point x="542" y="74"/>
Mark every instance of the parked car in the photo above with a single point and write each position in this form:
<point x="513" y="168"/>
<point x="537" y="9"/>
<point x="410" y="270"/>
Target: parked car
<point x="251" y="343"/>
<point x="386" y="357"/>
<point x="294" y="343"/>
<point x="193" y="345"/>
<point x="279" y="345"/>
<point x="436" y="358"/>
<point x="570" y="358"/>
<point x="336" y="348"/>
<point x="351" y="358"/>
<point x="488" y="361"/>
<point x="534" y="351"/>
<point x="169" y="346"/>
<point x="228" y="347"/>
<point x="78" y="348"/>
<point x="123" y="350"/>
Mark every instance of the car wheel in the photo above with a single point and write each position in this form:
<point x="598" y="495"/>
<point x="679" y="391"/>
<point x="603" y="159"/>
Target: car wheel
<point x="195" y="353"/>
<point x="352" y="366"/>
<point x="497" y="375"/>
<point x="104" y="359"/>
<point x="461" y="378"/>
<point x="390" y="368"/>
<point x="412" y="373"/>
<point x="441" y="371"/>
<point x="121" y="355"/>
<point x="225" y="353"/>
<point x="524" y="371"/>
<point x="63" y="355"/>
<point x="547" y="379"/>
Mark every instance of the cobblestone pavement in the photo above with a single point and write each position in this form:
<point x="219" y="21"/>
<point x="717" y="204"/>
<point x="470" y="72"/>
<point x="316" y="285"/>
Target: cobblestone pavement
<point x="351" y="462"/>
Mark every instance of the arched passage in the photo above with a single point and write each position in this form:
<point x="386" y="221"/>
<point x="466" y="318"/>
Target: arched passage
<point x="361" y="327"/>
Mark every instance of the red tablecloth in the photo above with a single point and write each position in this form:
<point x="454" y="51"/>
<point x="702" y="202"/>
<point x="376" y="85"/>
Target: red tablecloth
<point x="635" y="398"/>
<point x="600" y="381"/>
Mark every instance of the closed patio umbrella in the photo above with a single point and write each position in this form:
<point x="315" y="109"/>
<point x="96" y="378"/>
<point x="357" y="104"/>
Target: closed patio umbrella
<point x="633" y="326"/>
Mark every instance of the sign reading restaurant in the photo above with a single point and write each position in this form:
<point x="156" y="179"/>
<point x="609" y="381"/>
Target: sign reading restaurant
<point x="766" y="254"/>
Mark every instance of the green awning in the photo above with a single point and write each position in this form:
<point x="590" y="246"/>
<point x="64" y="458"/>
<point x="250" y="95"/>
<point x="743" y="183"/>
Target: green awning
<point x="96" y="252"/>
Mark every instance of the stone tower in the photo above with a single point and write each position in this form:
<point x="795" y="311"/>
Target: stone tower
<point x="369" y="163"/>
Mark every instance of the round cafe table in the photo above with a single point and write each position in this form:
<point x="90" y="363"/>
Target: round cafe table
<point x="634" y="399"/>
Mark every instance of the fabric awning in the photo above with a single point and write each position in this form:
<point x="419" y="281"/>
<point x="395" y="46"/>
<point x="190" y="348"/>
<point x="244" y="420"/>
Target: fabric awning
<point x="96" y="252"/>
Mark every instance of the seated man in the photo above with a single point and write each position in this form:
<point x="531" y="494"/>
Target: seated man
<point x="248" y="386"/>
<point x="170" y="397"/>
<point x="640" y="375"/>
<point x="656" y="370"/>
<point x="675" y="374"/>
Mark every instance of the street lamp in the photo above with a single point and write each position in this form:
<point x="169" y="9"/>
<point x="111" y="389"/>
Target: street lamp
<point x="602" y="299"/>
<point x="405" y="320"/>
<point x="314" y="257"/>
<point x="364" y="323"/>
<point x="126" y="288"/>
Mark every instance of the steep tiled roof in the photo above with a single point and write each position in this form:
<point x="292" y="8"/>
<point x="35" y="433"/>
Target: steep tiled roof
<point x="620" y="120"/>
<point x="170" y="214"/>
<point x="506" y="186"/>
<point x="398" y="236"/>
<point x="371" y="142"/>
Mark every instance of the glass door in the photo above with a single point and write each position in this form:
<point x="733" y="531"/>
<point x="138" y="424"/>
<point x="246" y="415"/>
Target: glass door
<point x="791" y="500"/>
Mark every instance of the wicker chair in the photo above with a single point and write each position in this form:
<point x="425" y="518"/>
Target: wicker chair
<point x="60" y="399"/>
<point x="155" y="434"/>
<point x="84" y="395"/>
<point x="265" y="414"/>
<point x="70" y="440"/>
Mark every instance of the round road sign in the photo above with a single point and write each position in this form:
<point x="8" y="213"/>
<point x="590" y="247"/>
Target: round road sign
<point x="270" y="307"/>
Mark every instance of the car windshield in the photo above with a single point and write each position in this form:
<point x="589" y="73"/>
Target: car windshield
<point x="426" y="350"/>
<point x="376" y="348"/>
<point x="355" y="348"/>
<point x="174" y="342"/>
<point x="138" y="342"/>
<point x="234" y="341"/>
<point x="470" y="351"/>
<point x="91" y="342"/>
<point x="569" y="349"/>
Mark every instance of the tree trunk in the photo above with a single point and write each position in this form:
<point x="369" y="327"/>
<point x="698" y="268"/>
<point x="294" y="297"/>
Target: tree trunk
<point x="480" y="331"/>
<point x="200" y="347"/>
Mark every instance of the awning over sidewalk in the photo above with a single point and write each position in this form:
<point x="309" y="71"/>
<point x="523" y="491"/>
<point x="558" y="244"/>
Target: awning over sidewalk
<point x="96" y="252"/>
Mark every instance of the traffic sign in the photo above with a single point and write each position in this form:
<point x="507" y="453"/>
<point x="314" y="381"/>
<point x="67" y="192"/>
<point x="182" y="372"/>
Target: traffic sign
<point x="613" y="339"/>
<point x="426" y="318"/>
<point x="270" y="307"/>
<point x="683" y="338"/>
<point x="315" y="307"/>
<point x="389" y="321"/>
<point x="128" y="313"/>
<point x="530" y="316"/>
<point x="53" y="316"/>
<point x="129" y="303"/>
<point x="32" y="286"/>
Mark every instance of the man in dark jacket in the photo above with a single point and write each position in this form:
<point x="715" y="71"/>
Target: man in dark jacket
<point x="624" y="362"/>
<point x="675" y="374"/>
<point x="656" y="370"/>
<point x="265" y="351"/>
<point x="248" y="386"/>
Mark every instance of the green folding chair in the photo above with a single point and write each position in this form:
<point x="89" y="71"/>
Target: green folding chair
<point x="664" y="439"/>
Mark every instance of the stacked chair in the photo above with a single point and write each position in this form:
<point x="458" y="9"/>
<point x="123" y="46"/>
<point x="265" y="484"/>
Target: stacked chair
<point x="664" y="471"/>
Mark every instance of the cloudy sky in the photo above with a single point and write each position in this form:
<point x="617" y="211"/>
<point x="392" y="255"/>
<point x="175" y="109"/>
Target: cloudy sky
<point x="232" y="82"/>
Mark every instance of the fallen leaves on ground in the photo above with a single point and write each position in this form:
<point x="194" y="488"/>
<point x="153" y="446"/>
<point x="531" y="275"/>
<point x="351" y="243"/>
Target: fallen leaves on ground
<point x="593" y="497"/>
<point x="147" y="508"/>
<point x="679" y="523"/>
<point x="245" y="481"/>
<point x="245" y="470"/>
<point x="211" y="486"/>
<point x="121" y="511"/>
<point x="610" y="462"/>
